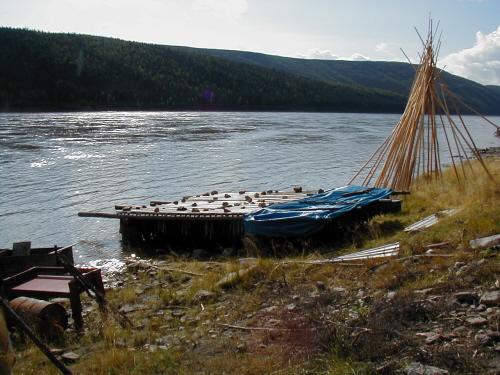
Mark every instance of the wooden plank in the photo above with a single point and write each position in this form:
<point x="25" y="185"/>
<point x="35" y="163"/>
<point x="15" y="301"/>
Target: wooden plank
<point x="99" y="214"/>
<point x="216" y="206"/>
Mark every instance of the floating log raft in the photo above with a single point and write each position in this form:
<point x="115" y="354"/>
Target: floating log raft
<point x="208" y="220"/>
<point x="214" y="220"/>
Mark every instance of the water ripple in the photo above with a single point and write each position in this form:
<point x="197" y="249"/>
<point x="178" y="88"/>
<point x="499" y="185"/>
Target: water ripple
<point x="54" y="165"/>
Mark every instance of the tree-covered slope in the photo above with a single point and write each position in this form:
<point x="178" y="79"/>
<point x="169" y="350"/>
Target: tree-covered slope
<point x="45" y="71"/>
<point x="495" y="89"/>
<point x="391" y="76"/>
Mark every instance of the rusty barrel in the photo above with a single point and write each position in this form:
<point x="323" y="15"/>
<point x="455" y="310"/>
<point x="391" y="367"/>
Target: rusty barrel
<point x="47" y="318"/>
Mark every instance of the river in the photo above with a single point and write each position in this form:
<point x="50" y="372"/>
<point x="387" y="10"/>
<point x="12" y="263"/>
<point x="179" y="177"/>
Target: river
<point x="54" y="165"/>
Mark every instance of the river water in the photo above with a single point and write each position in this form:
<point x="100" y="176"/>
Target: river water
<point x="54" y="165"/>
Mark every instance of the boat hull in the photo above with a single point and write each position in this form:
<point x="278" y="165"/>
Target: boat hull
<point x="11" y="264"/>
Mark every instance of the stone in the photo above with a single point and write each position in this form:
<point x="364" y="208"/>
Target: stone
<point x="151" y="348"/>
<point x="467" y="297"/>
<point x="340" y="290"/>
<point x="461" y="271"/>
<point x="390" y="296"/>
<point x="320" y="285"/>
<point x="485" y="242"/>
<point x="232" y="278"/>
<point x="70" y="357"/>
<point x="481" y="308"/>
<point x="127" y="308"/>
<point x="203" y="295"/>
<point x="495" y="335"/>
<point x="248" y="262"/>
<point x="476" y="321"/>
<point x="491" y="298"/>
<point x="269" y="309"/>
<point x="421" y="369"/>
<point x="200" y="254"/>
<point x="491" y="310"/>
<point x="425" y="292"/>
<point x="432" y="337"/>
<point x="315" y="294"/>
<point x="483" y="339"/>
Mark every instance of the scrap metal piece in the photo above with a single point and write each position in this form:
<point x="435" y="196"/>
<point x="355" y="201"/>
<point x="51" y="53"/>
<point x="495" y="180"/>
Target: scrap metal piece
<point x="384" y="251"/>
<point x="430" y="220"/>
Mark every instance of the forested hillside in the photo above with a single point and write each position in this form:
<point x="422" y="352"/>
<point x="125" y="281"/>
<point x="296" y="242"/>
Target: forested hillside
<point x="390" y="76"/>
<point x="45" y="71"/>
<point x="495" y="89"/>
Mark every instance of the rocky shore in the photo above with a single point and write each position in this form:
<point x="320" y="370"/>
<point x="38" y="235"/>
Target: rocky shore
<point x="434" y="308"/>
<point x="292" y="317"/>
<point x="490" y="151"/>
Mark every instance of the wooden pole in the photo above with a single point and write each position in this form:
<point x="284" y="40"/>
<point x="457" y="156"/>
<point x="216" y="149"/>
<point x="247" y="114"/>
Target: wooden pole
<point x="412" y="149"/>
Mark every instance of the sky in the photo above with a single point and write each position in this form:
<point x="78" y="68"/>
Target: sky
<point x="377" y="30"/>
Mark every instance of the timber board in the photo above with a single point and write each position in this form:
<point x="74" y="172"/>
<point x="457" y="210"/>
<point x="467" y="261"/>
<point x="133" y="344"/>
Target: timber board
<point x="209" y="206"/>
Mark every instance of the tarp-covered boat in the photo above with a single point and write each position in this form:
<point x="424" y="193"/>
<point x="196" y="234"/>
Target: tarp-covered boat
<point x="309" y="215"/>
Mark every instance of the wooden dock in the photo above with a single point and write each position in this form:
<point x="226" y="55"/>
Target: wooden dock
<point x="210" y="220"/>
<point x="214" y="221"/>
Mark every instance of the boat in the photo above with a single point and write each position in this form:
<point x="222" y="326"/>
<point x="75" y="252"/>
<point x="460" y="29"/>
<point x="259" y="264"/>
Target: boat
<point x="22" y="257"/>
<point x="319" y="212"/>
<point x="497" y="133"/>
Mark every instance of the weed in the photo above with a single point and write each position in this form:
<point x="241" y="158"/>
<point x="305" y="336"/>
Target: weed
<point x="333" y="318"/>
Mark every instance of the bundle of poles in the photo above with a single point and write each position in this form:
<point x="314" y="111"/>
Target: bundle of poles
<point x="412" y="149"/>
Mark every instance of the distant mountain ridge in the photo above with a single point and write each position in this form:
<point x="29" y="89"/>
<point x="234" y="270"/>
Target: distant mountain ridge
<point x="49" y="71"/>
<point x="390" y="76"/>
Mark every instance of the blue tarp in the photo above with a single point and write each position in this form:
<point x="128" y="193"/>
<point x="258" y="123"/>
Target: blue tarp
<point x="309" y="215"/>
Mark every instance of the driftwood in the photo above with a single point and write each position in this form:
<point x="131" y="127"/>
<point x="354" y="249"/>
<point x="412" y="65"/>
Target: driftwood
<point x="264" y="328"/>
<point x="174" y="270"/>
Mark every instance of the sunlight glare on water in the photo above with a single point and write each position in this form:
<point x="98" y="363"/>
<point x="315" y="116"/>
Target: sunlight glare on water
<point x="54" y="165"/>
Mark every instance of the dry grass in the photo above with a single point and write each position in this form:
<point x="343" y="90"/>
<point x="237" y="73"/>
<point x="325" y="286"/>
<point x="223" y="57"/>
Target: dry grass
<point x="322" y="329"/>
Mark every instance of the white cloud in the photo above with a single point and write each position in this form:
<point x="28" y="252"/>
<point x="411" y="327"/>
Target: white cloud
<point x="318" y="54"/>
<point x="481" y="63"/>
<point x="315" y="53"/>
<point x="357" y="57"/>
<point x="222" y="8"/>
<point x="382" y="47"/>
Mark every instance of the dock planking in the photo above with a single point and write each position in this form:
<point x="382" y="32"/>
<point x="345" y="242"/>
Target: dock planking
<point x="211" y="221"/>
<point x="212" y="205"/>
<point x="214" y="221"/>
